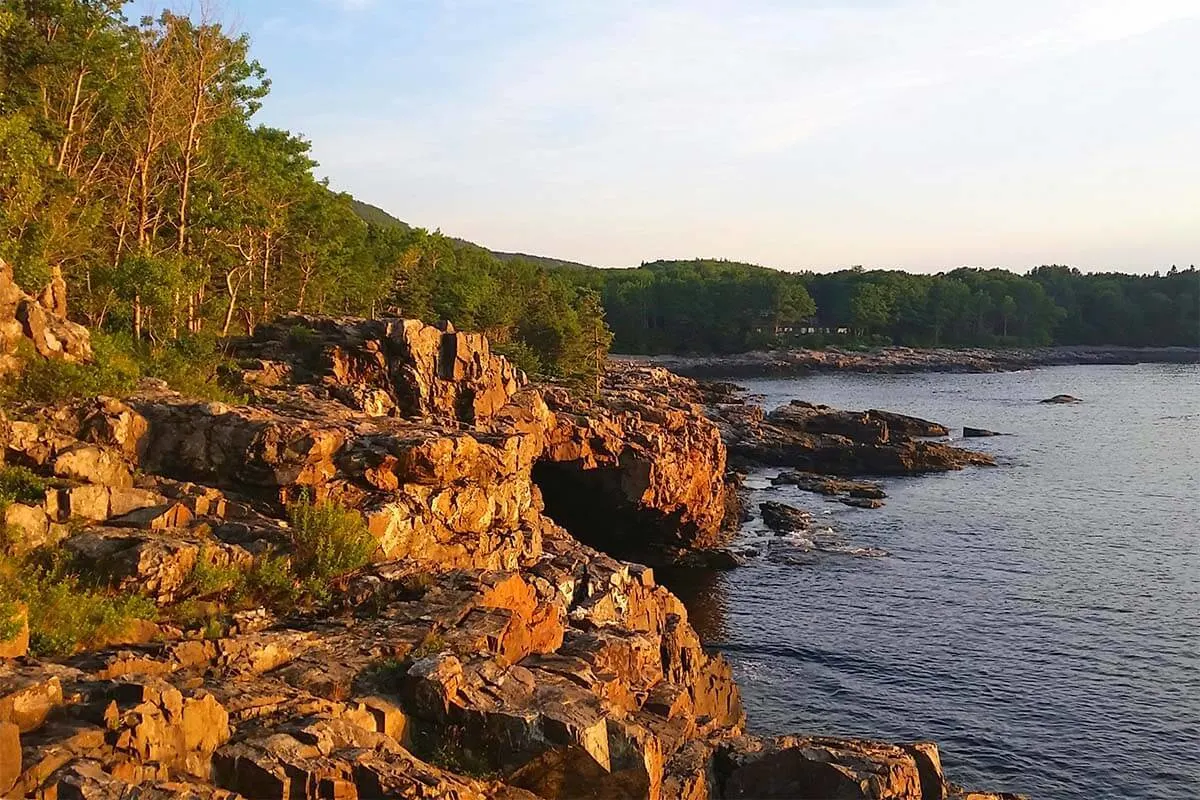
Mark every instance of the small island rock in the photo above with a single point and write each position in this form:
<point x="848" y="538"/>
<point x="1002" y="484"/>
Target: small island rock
<point x="974" y="433"/>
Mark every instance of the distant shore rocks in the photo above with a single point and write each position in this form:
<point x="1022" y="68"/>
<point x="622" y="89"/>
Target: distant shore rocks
<point x="1062" y="399"/>
<point x="800" y="361"/>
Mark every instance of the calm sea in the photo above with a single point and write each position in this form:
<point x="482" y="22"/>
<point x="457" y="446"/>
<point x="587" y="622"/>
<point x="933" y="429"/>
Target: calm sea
<point x="1040" y="620"/>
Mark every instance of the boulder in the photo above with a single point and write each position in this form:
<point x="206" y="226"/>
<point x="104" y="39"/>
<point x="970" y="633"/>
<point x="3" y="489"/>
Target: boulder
<point x="824" y="440"/>
<point x="816" y="768"/>
<point x="46" y="327"/>
<point x="783" y="518"/>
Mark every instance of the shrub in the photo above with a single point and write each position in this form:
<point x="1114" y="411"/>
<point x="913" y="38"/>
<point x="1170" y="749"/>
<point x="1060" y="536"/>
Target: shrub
<point x="521" y="355"/>
<point x="10" y="625"/>
<point x="271" y="582"/>
<point x="20" y="485"/>
<point x="44" y="380"/>
<point x="190" y="365"/>
<point x="432" y="644"/>
<point x="208" y="578"/>
<point x="328" y="541"/>
<point x="65" y="613"/>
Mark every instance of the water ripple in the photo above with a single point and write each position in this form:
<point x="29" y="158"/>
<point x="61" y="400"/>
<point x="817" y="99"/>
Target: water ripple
<point x="1039" y="620"/>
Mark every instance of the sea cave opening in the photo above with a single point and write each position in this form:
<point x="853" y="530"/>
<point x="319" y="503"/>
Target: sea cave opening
<point x="589" y="505"/>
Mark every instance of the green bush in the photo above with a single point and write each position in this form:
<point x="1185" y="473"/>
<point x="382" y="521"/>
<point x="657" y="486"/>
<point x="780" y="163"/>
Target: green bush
<point x="189" y="365"/>
<point x="65" y="612"/>
<point x="10" y="626"/>
<point x="271" y="582"/>
<point x="208" y="578"/>
<point x="328" y="541"/>
<point x="20" y="485"/>
<point x="44" y="380"/>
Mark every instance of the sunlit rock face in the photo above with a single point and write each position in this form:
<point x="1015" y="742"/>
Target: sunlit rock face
<point x="486" y="652"/>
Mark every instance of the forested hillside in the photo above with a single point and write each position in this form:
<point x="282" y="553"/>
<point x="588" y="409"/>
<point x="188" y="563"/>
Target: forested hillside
<point x="130" y="161"/>
<point x="720" y="306"/>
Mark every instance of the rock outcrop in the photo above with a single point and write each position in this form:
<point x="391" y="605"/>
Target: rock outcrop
<point x="42" y="323"/>
<point x="486" y="652"/>
<point x="826" y="440"/>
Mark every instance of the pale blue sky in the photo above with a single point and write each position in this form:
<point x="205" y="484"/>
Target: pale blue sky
<point x="922" y="134"/>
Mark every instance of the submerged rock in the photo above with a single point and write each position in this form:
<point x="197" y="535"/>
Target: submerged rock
<point x="861" y="502"/>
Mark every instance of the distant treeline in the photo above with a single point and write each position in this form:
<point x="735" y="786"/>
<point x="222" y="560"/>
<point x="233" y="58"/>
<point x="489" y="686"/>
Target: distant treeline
<point x="724" y="307"/>
<point x="129" y="161"/>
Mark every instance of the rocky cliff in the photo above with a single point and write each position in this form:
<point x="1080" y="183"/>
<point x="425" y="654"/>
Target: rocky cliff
<point x="38" y="322"/>
<point x="486" y="652"/>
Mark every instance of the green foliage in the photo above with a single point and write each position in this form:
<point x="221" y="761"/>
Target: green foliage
<point x="67" y="612"/>
<point x="328" y="541"/>
<point x="521" y="355"/>
<point x="432" y="644"/>
<point x="10" y="622"/>
<point x="43" y="380"/>
<point x="699" y="306"/>
<point x="272" y="582"/>
<point x="189" y="364"/>
<point x="20" y="485"/>
<point x="208" y="578"/>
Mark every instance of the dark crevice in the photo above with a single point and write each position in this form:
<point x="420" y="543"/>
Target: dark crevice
<point x="588" y="504"/>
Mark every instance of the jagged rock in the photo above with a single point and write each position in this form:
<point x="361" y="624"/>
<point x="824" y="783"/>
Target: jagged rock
<point x="825" y="440"/>
<point x="46" y="328"/>
<point x="712" y="558"/>
<point x="29" y="523"/>
<point x="422" y="371"/>
<point x="92" y="464"/>
<point x="486" y="637"/>
<point x="157" y="564"/>
<point x="28" y="695"/>
<point x="645" y="454"/>
<point x="816" y="768"/>
<point x="783" y="518"/>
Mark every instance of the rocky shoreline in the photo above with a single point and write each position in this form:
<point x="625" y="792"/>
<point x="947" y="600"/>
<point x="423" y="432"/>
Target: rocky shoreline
<point x="492" y="648"/>
<point x="792" y="363"/>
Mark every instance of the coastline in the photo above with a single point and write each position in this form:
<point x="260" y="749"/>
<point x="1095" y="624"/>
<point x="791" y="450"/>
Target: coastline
<point x="473" y="634"/>
<point x="800" y="362"/>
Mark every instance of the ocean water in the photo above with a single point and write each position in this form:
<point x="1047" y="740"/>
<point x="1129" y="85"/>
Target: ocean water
<point x="1040" y="619"/>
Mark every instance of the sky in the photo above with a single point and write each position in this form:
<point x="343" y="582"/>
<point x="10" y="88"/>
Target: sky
<point x="805" y="134"/>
